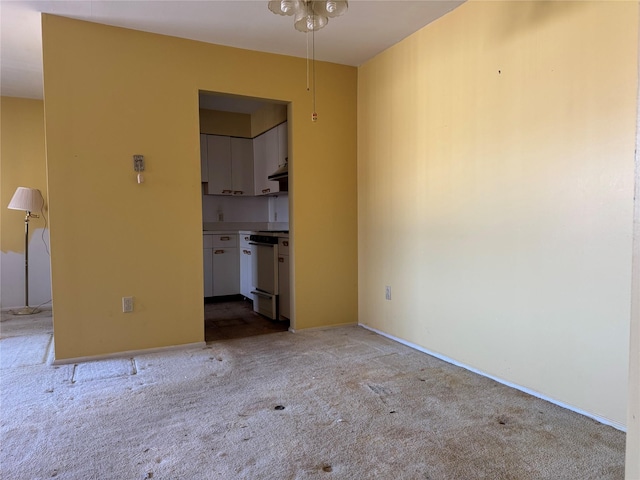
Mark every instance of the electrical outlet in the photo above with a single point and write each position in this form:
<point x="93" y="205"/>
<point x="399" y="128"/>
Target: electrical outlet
<point x="387" y="292"/>
<point x="127" y="304"/>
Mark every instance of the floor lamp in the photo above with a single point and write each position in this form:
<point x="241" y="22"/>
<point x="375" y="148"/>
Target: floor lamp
<point x="29" y="200"/>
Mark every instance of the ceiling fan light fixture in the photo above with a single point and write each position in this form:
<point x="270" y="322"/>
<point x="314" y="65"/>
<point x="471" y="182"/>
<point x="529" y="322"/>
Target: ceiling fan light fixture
<point x="284" y="7"/>
<point x="306" y="20"/>
<point x="309" y="15"/>
<point x="331" y="8"/>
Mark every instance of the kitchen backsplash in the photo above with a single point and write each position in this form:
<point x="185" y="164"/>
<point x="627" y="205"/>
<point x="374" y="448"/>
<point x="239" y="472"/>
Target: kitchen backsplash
<point x="216" y="209"/>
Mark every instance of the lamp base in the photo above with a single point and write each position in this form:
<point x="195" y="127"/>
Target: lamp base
<point x="25" y="311"/>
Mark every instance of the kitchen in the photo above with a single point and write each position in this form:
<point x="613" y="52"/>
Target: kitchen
<point x="245" y="214"/>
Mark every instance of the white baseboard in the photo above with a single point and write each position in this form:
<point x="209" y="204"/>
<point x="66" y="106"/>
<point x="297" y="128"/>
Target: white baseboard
<point x="128" y="353"/>
<point x="597" y="418"/>
<point x="325" y="327"/>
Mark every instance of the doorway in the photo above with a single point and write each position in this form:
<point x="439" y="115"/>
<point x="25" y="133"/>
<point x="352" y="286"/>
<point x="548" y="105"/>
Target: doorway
<point x="231" y="124"/>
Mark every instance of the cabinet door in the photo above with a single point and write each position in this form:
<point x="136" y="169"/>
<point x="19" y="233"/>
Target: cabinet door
<point x="246" y="272"/>
<point x="260" y="163"/>
<point x="226" y="271"/>
<point x="204" y="162"/>
<point x="283" y="146"/>
<point x="207" y="260"/>
<point x="219" y="165"/>
<point x="283" y="286"/>
<point x="242" y="166"/>
<point x="265" y="151"/>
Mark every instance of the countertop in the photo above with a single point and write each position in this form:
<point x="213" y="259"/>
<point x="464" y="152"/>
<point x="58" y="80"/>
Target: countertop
<point x="235" y="227"/>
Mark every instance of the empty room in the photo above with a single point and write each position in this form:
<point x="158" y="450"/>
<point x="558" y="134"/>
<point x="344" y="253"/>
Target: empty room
<point x="366" y="239"/>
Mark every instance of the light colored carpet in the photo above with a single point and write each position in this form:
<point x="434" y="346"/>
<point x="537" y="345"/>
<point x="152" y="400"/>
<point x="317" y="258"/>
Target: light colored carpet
<point x="328" y="404"/>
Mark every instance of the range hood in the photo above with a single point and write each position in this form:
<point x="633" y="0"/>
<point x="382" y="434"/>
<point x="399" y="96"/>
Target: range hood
<point x="282" y="173"/>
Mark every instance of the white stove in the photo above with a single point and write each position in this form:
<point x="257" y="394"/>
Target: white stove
<point x="264" y="249"/>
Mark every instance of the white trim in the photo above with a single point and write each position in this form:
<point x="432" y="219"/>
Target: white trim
<point x="128" y="353"/>
<point x="326" y="327"/>
<point x="603" y="420"/>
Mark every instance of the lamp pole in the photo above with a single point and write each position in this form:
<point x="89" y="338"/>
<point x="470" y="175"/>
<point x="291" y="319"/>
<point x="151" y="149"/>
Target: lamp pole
<point x="26" y="310"/>
<point x="27" y="200"/>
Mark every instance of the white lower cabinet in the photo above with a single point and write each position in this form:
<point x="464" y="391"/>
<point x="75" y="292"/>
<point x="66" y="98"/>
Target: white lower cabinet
<point x="207" y="257"/>
<point x="221" y="265"/>
<point x="283" y="278"/>
<point x="246" y="270"/>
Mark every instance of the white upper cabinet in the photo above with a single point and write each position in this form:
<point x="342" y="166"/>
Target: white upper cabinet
<point x="229" y="165"/>
<point x="242" y="166"/>
<point x="283" y="147"/>
<point x="219" y="165"/>
<point x="269" y="151"/>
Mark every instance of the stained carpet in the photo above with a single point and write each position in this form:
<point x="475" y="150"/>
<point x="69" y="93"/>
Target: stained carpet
<point x="341" y="403"/>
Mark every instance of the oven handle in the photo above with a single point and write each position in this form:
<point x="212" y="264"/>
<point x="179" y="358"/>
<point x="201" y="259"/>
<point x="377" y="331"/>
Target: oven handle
<point x="262" y="294"/>
<point x="263" y="244"/>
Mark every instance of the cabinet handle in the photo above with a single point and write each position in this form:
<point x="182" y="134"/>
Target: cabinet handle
<point x="281" y="259"/>
<point x="266" y="190"/>
<point x="226" y="191"/>
<point x="238" y="192"/>
<point x="224" y="239"/>
<point x="218" y="252"/>
<point x="285" y="243"/>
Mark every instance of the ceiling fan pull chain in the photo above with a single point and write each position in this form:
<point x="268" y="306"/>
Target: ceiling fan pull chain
<point x="307" y="37"/>
<point x="314" y="115"/>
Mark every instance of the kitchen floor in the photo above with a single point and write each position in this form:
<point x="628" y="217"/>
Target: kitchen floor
<point x="225" y="320"/>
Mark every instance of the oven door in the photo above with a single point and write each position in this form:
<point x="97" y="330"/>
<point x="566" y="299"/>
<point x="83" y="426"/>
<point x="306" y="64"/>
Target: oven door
<point x="265" y="267"/>
<point x="265" y="304"/>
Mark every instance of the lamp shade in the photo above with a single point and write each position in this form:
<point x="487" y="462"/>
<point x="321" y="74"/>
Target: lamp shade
<point x="28" y="199"/>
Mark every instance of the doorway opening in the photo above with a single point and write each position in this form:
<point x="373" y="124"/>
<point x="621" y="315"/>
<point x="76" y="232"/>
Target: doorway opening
<point x="243" y="142"/>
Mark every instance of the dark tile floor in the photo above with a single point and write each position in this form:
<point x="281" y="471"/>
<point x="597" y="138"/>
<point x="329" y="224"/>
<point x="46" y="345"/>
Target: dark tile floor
<point x="225" y="320"/>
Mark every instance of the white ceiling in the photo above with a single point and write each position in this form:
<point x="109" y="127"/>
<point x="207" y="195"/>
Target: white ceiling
<point x="368" y="28"/>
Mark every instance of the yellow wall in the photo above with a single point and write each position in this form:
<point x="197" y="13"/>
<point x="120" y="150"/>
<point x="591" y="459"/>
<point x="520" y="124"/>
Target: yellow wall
<point x="225" y="123"/>
<point x="495" y="194"/>
<point x="267" y="117"/>
<point x="111" y="93"/>
<point x="242" y="124"/>
<point x="22" y="161"/>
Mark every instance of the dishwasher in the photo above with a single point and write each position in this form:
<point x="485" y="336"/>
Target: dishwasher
<point x="264" y="252"/>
